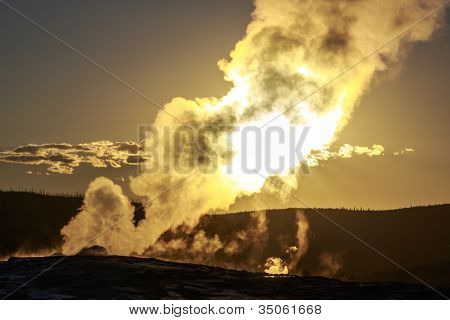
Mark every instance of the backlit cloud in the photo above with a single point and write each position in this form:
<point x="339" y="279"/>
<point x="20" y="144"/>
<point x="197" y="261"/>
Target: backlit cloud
<point x="63" y="158"/>
<point x="348" y="151"/>
<point x="404" y="151"/>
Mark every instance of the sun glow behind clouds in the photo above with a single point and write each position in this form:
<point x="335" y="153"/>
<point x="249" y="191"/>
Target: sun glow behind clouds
<point x="303" y="70"/>
<point x="274" y="146"/>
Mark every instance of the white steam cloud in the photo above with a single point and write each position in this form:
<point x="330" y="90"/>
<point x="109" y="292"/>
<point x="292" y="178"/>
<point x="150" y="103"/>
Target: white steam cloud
<point x="291" y="48"/>
<point x="106" y="220"/>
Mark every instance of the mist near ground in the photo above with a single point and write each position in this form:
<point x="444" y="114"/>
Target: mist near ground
<point x="416" y="238"/>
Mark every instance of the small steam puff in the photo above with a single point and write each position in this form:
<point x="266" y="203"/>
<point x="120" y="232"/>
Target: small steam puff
<point x="291" y="48"/>
<point x="330" y="264"/>
<point x="275" y="265"/>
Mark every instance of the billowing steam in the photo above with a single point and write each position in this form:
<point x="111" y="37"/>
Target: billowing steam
<point x="106" y="220"/>
<point x="246" y="248"/>
<point x="239" y="250"/>
<point x="290" y="50"/>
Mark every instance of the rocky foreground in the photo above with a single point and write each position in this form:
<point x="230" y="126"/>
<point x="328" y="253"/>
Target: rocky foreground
<point x="113" y="277"/>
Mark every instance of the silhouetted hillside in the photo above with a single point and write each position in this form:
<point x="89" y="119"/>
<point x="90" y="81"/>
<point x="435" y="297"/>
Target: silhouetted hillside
<point x="415" y="238"/>
<point x="31" y="221"/>
<point x="418" y="239"/>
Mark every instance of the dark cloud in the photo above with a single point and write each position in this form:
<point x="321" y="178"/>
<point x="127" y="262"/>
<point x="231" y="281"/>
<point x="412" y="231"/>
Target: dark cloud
<point x="335" y="40"/>
<point x="131" y="147"/>
<point x="22" y="158"/>
<point x="135" y="159"/>
<point x="34" y="148"/>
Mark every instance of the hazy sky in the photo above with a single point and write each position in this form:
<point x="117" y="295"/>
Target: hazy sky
<point x="168" y="48"/>
<point x="164" y="48"/>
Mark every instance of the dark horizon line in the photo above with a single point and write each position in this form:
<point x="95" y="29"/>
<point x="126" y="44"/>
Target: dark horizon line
<point x="79" y="195"/>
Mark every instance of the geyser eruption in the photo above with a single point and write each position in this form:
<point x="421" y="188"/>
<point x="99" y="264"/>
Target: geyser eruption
<point x="106" y="220"/>
<point x="290" y="50"/>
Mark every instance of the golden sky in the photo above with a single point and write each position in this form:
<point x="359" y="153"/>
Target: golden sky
<point x="168" y="49"/>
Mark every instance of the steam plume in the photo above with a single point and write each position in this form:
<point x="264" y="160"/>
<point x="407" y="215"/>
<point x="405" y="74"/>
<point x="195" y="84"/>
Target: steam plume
<point x="302" y="241"/>
<point x="106" y="220"/>
<point x="290" y="49"/>
<point x="241" y="250"/>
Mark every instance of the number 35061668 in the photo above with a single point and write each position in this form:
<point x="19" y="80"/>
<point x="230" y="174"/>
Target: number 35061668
<point x="289" y="309"/>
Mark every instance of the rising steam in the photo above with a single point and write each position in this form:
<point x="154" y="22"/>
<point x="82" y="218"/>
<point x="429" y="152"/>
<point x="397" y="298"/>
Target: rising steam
<point x="290" y="49"/>
<point x="275" y="265"/>
<point x="242" y="249"/>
